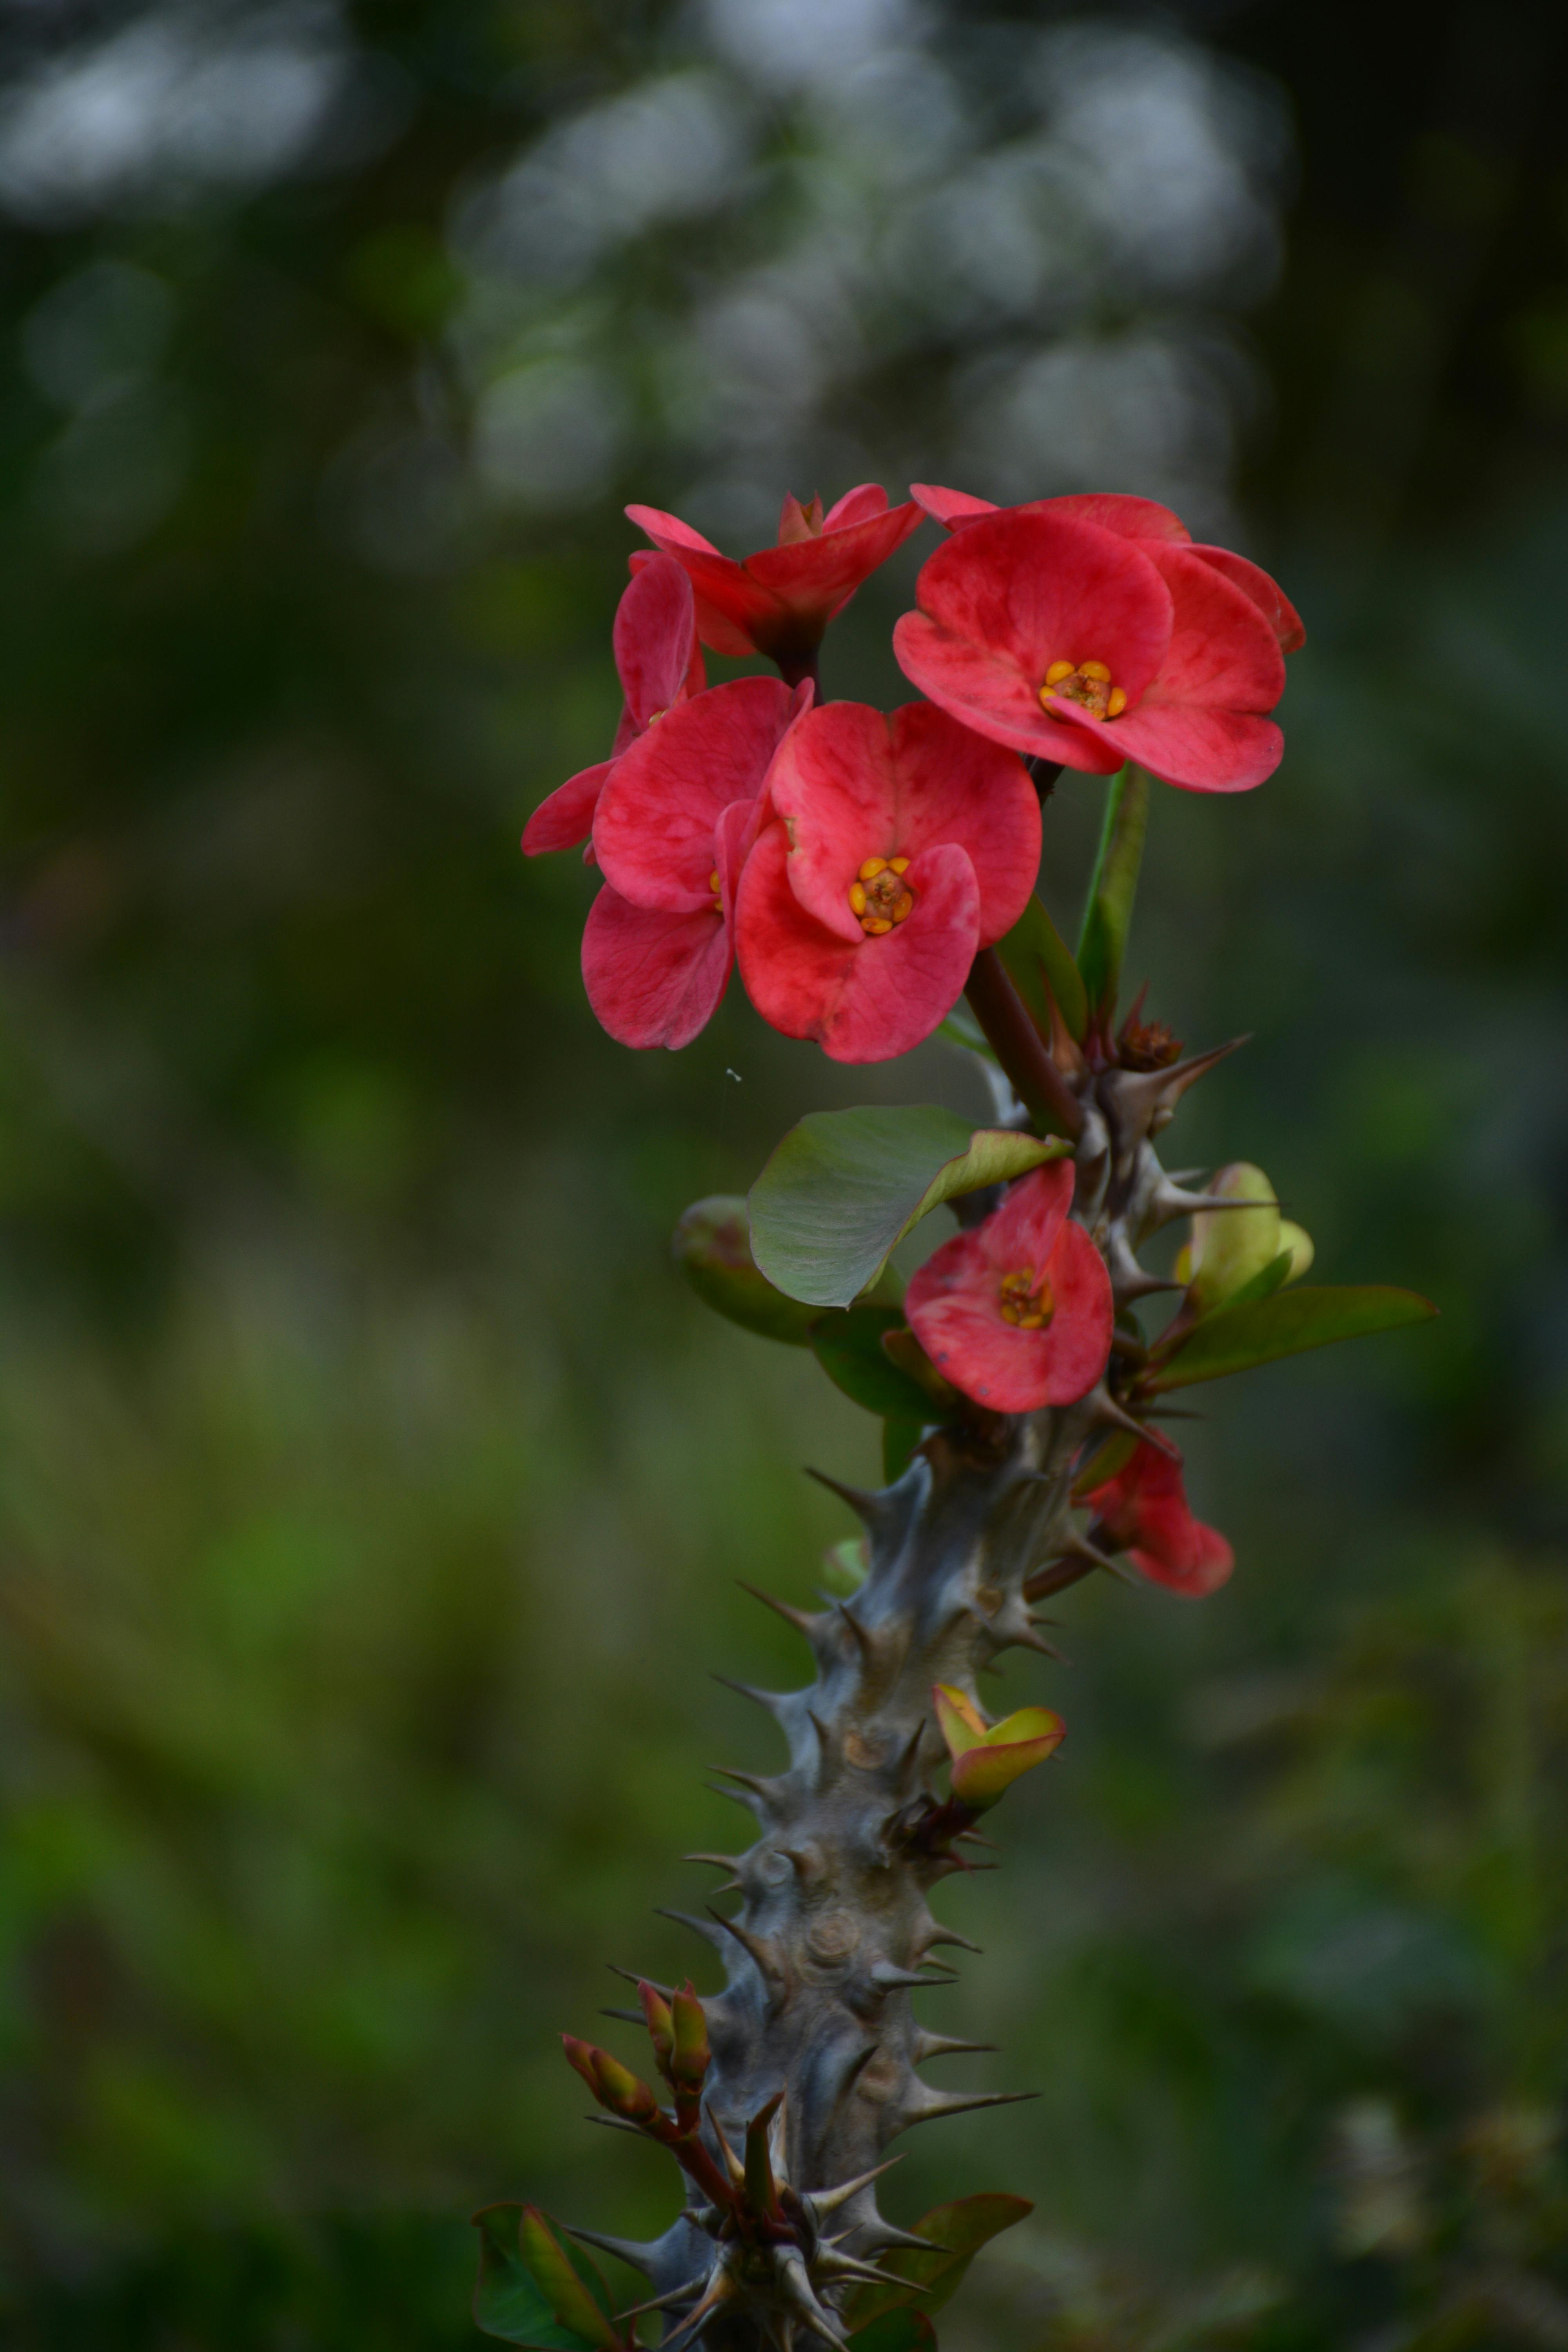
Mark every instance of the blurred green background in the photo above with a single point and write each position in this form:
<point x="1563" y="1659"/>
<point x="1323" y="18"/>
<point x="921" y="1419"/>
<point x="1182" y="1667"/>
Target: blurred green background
<point x="370" y="1491"/>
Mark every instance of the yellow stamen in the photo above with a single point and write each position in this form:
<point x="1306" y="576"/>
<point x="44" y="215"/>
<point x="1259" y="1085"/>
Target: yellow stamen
<point x="879" y="899"/>
<point x="713" y="879"/>
<point x="1026" y="1304"/>
<point x="1087" y="683"/>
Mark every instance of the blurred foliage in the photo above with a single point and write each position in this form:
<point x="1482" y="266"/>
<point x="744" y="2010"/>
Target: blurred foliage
<point x="372" y="1488"/>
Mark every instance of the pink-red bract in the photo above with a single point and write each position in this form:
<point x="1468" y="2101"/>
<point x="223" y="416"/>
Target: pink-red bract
<point x="659" y="663"/>
<point x="1054" y="632"/>
<point x="672" y="830"/>
<point x="1144" y="1511"/>
<point x="780" y="601"/>
<point x="901" y="845"/>
<point x="1017" y="1310"/>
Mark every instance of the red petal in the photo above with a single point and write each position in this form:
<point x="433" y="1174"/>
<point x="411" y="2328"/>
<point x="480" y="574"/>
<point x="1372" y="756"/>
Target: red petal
<point x="654" y="830"/>
<point x="950" y="508"/>
<point x="1128" y="518"/>
<point x="815" y="577"/>
<point x="655" y="638"/>
<point x="1011" y="594"/>
<point x="654" y="978"/>
<point x="1144" y="1510"/>
<point x="859" y="504"/>
<point x="1265" y="594"/>
<point x="566" y="816"/>
<point x="989" y="695"/>
<point x="1200" y="724"/>
<point x="954" y="1306"/>
<point x="730" y="606"/>
<point x="1023" y="1231"/>
<point x="1078" y="1333"/>
<point x="853" y="784"/>
<point x="863" y="1000"/>
<point x="667" y="531"/>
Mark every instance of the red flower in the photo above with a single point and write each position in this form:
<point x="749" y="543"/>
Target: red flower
<point x="671" y="831"/>
<point x="780" y="601"/>
<point x="1143" y="1510"/>
<point x="905" y="843"/>
<point x="1132" y="519"/>
<point x="1078" y="643"/>
<point x="661" y="664"/>
<point x="1018" y="1311"/>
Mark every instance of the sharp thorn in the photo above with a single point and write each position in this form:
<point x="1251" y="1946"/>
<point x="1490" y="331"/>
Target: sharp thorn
<point x="771" y="1701"/>
<point x="632" y="1977"/>
<point x="625" y="2016"/>
<point x="865" y="1505"/>
<point x="937" y="2104"/>
<point x="718" y="1861"/>
<point x="828" y="2200"/>
<point x="689" y="1920"/>
<point x="625" y="2250"/>
<point x="803" y="1620"/>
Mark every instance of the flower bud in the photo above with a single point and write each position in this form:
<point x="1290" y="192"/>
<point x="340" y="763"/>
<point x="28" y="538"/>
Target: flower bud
<point x="613" y="2085"/>
<point x="660" y="2031"/>
<point x="713" y="1246"/>
<point x="1229" y="1247"/>
<point x="689" y="2063"/>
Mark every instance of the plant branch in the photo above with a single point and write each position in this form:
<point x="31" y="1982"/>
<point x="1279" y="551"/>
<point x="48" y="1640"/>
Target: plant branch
<point x="1017" y="1043"/>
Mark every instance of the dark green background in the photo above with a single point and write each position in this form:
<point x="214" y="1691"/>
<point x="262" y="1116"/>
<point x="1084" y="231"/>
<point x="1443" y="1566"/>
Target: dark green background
<point x="371" y="1491"/>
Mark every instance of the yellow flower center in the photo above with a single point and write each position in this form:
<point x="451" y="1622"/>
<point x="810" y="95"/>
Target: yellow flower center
<point x="880" y="896"/>
<point x="1027" y="1304"/>
<point x="718" y="894"/>
<point x="1085" y="683"/>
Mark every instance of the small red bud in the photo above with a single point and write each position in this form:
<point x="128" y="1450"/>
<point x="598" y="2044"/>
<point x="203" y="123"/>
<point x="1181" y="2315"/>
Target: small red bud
<point x="660" y="2028"/>
<point x="690" y="2062"/>
<point x="613" y="2085"/>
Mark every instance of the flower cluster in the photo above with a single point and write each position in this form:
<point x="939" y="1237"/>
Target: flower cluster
<point x="853" y="863"/>
<point x="859" y="867"/>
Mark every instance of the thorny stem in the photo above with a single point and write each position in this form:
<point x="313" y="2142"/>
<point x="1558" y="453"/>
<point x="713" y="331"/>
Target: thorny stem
<point x="1017" y="1043"/>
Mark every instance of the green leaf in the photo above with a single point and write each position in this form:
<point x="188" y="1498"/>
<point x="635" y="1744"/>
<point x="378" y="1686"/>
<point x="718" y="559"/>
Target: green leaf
<point x="1264" y="1283"/>
<point x="509" y="2302"/>
<point x="896" y="2331"/>
<point x="957" y="2232"/>
<point x="845" y="1186"/>
<point x="1112" y="888"/>
<point x="849" y="1347"/>
<point x="712" y="1247"/>
<point x="900" y="1439"/>
<point x="1037" y="958"/>
<point x="1259" y="1330"/>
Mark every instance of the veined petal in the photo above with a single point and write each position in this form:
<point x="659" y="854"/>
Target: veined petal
<point x="1265" y="594"/>
<point x="565" y="816"/>
<point x="653" y="978"/>
<point x="864" y="1000"/>
<point x="1023" y="1230"/>
<point x="853" y="783"/>
<point x="653" y="829"/>
<point x="655" y="638"/>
